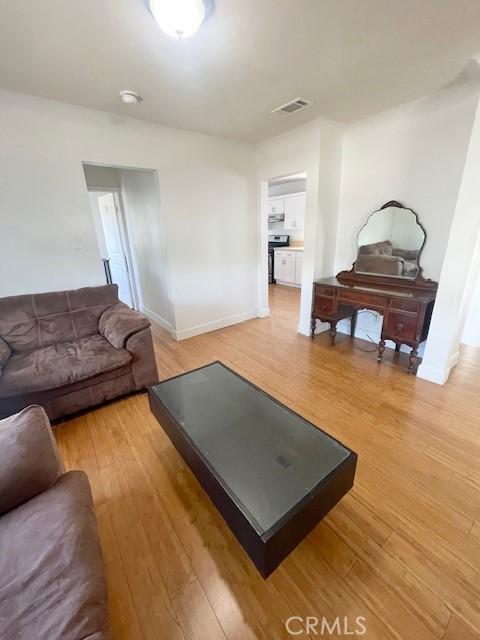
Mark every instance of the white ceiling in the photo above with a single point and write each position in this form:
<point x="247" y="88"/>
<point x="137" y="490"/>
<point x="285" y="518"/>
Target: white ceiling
<point x="353" y="58"/>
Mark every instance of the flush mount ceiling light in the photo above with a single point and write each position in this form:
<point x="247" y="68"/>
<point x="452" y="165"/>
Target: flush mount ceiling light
<point x="129" y="97"/>
<point x="180" y="18"/>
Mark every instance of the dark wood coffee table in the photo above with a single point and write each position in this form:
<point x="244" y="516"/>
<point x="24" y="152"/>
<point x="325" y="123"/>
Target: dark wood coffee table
<point x="272" y="474"/>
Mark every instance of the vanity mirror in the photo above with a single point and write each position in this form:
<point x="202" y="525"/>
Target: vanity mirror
<point x="387" y="278"/>
<point x="390" y="243"/>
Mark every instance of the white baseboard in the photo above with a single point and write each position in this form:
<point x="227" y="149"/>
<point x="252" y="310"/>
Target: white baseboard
<point x="439" y="376"/>
<point x="221" y="323"/>
<point x="263" y="313"/>
<point x="158" y="321"/>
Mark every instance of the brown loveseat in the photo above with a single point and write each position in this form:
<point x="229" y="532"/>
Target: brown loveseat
<point x="69" y="350"/>
<point x="382" y="258"/>
<point x="52" y="580"/>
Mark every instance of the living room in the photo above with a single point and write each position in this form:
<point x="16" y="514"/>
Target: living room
<point x="216" y="458"/>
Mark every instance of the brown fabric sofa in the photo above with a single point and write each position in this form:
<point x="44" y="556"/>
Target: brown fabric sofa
<point x="382" y="258"/>
<point x="52" y="581"/>
<point x="69" y="350"/>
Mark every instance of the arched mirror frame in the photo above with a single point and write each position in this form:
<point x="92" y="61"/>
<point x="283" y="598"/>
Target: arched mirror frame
<point x="419" y="282"/>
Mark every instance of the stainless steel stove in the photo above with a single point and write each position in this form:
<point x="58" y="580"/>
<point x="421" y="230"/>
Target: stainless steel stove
<point x="275" y="241"/>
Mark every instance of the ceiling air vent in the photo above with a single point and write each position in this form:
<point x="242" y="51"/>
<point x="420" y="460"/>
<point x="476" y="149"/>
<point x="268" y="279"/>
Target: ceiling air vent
<point x="292" y="106"/>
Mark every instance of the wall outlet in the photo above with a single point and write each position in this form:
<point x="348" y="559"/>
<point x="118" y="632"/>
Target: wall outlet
<point x="78" y="242"/>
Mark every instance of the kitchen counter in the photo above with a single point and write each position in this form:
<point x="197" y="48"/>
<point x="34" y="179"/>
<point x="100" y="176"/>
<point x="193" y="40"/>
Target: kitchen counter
<point x="288" y="249"/>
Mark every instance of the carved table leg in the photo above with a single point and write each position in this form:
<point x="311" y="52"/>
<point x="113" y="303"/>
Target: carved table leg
<point x="333" y="333"/>
<point x="353" y="324"/>
<point x="412" y="361"/>
<point x="397" y="347"/>
<point x="313" y="326"/>
<point x="381" y="349"/>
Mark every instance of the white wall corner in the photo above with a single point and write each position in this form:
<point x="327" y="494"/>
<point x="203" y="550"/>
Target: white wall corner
<point x="439" y="376"/>
<point x="263" y="313"/>
<point x="158" y="322"/>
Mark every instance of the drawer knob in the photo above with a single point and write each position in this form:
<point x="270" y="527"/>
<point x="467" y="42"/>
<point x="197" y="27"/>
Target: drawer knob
<point x="400" y="326"/>
<point x="323" y="307"/>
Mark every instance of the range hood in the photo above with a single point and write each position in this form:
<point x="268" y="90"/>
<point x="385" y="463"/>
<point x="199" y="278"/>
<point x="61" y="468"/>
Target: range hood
<point x="276" y="217"/>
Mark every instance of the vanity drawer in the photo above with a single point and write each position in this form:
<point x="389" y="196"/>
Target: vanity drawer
<point x="359" y="298"/>
<point x="323" y="305"/>
<point x="324" y="291"/>
<point x="401" y="325"/>
<point x="404" y="305"/>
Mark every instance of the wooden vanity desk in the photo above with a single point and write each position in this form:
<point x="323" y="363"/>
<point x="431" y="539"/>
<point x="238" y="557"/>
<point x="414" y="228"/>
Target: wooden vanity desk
<point x="406" y="304"/>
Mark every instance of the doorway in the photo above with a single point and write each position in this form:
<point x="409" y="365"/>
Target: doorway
<point x="286" y="203"/>
<point x="113" y="243"/>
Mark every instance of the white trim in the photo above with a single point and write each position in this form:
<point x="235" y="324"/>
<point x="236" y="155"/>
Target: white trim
<point x="182" y="334"/>
<point x="439" y="376"/>
<point x="158" y="320"/>
<point x="263" y="313"/>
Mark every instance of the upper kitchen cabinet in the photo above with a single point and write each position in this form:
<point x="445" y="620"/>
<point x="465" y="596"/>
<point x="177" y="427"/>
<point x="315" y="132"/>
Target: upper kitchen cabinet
<point x="276" y="205"/>
<point x="294" y="210"/>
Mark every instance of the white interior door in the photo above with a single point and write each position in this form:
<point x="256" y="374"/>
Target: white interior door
<point x="114" y="245"/>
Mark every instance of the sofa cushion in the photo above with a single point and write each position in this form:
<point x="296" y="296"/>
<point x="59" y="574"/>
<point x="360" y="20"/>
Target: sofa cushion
<point x="52" y="582"/>
<point x="29" y="322"/>
<point x="29" y="460"/>
<point x="60" y="364"/>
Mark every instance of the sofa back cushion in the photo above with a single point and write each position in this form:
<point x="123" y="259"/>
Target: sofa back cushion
<point x="30" y="463"/>
<point x="29" y="322"/>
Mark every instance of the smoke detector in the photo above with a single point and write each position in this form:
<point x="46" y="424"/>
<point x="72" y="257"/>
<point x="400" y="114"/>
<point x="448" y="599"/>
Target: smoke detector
<point x="291" y="107"/>
<point x="129" y="97"/>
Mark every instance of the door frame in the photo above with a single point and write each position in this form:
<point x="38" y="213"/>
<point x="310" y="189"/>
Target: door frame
<point x="127" y="246"/>
<point x="262" y="252"/>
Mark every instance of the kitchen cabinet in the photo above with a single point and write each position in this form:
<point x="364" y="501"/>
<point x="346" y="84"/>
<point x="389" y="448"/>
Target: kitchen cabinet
<point x="288" y="267"/>
<point x="294" y="210"/>
<point x="276" y="205"/>
<point x="284" y="266"/>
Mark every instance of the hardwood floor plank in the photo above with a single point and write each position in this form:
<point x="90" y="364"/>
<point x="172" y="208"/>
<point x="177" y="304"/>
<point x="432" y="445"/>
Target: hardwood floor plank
<point x="401" y="549"/>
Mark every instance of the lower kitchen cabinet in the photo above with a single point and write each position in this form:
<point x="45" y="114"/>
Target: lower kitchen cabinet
<point x="288" y="267"/>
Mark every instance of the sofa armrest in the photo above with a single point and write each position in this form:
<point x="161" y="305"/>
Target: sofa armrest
<point x="5" y="353"/>
<point x="119" y="322"/>
<point x="29" y="459"/>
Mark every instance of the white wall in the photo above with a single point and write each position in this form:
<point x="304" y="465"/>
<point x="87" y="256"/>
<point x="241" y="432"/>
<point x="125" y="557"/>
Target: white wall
<point x="284" y="188"/>
<point x="415" y="154"/>
<point x="471" y="329"/>
<point x="98" y="177"/>
<point x="97" y="221"/>
<point x="146" y="229"/>
<point x="316" y="150"/>
<point x="206" y="183"/>
<point x="459" y="272"/>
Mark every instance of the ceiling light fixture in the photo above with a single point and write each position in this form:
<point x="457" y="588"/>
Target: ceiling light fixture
<point x="180" y="18"/>
<point x="129" y="97"/>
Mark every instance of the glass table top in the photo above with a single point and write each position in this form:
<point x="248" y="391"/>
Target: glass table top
<point x="266" y="457"/>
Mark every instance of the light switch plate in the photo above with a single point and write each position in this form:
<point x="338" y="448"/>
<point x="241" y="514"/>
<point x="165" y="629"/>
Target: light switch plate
<point x="78" y="242"/>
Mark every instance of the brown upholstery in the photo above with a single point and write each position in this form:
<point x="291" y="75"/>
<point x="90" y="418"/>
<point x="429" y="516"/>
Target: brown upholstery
<point x="382" y="258"/>
<point x="61" y="364"/>
<point x="54" y="345"/>
<point x="32" y="321"/>
<point x="52" y="581"/>
<point x="30" y="462"/>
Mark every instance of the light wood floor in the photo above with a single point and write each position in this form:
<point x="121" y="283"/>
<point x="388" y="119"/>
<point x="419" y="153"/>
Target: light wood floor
<point x="401" y="549"/>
